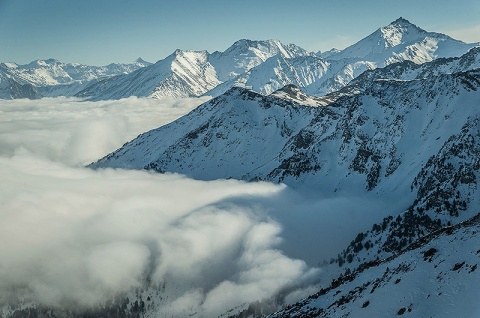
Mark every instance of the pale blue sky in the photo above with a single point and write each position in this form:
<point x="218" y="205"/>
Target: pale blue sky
<point x="99" y="32"/>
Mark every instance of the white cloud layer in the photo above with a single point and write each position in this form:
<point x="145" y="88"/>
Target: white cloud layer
<point x="66" y="130"/>
<point x="73" y="235"/>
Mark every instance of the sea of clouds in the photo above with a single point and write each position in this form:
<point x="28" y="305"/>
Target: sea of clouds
<point x="72" y="236"/>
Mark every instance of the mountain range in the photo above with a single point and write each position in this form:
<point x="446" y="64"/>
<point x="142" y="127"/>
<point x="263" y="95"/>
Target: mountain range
<point x="395" y="115"/>
<point x="263" y="66"/>
<point x="52" y="78"/>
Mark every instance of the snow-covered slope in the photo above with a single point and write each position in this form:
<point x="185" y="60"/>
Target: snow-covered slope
<point x="409" y="71"/>
<point x="435" y="276"/>
<point x="296" y="95"/>
<point x="53" y="72"/>
<point x="53" y="78"/>
<point x="415" y="139"/>
<point x="306" y="72"/>
<point x="225" y="137"/>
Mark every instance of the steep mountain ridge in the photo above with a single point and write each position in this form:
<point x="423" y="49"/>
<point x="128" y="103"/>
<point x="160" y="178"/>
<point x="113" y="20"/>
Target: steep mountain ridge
<point x="189" y="73"/>
<point x="236" y="124"/>
<point x="182" y="74"/>
<point x="409" y="71"/>
<point x="305" y="72"/>
<point x="11" y="89"/>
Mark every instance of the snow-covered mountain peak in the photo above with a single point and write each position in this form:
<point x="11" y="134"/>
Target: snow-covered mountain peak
<point x="403" y="23"/>
<point x="267" y="65"/>
<point x="399" y="41"/>
<point x="141" y="62"/>
<point x="202" y="53"/>
<point x="245" y="54"/>
<point x="183" y="73"/>
<point x="400" y="31"/>
<point x="50" y="61"/>
<point x="191" y="56"/>
<point x="243" y="45"/>
<point x="184" y="59"/>
<point x="41" y="63"/>
<point x="239" y="93"/>
<point x="7" y="65"/>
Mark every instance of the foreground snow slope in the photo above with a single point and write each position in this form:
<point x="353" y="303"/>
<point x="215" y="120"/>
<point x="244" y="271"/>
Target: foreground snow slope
<point x="434" y="277"/>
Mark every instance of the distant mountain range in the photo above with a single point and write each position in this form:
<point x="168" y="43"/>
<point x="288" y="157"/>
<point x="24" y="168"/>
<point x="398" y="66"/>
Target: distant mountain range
<point x="263" y="66"/>
<point x="52" y="78"/>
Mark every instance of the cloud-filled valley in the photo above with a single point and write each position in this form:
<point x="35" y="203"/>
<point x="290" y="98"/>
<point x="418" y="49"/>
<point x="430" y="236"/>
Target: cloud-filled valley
<point x="76" y="236"/>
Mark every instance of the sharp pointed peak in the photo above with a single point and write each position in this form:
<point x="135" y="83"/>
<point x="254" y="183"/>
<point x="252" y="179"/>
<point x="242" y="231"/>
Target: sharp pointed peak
<point x="401" y="20"/>
<point x="403" y="23"/>
<point x="140" y="60"/>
